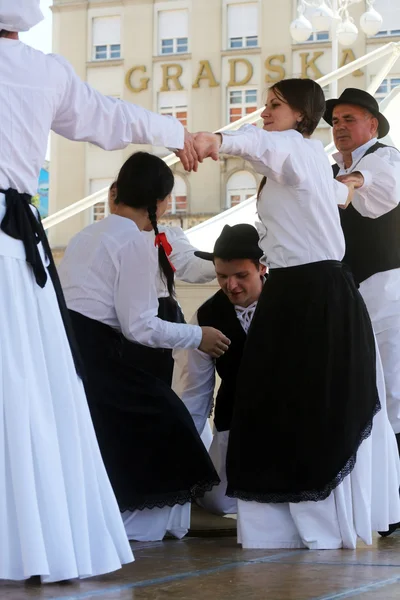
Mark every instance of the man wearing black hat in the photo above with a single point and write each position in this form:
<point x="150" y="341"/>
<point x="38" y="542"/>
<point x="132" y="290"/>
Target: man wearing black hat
<point x="371" y="224"/>
<point x="240" y="275"/>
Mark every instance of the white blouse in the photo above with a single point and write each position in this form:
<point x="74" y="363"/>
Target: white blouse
<point x="39" y="92"/>
<point x="108" y="273"/>
<point x="381" y="171"/>
<point x="298" y="206"/>
<point x="189" y="268"/>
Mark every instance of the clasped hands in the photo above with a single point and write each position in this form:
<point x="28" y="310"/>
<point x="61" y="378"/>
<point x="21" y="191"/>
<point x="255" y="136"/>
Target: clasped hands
<point x="353" y="181"/>
<point x="199" y="146"/>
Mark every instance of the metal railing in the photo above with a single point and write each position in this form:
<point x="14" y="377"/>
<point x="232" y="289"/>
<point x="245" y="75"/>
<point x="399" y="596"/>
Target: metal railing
<point x="392" y="50"/>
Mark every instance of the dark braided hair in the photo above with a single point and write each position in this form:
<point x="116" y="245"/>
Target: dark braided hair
<point x="143" y="181"/>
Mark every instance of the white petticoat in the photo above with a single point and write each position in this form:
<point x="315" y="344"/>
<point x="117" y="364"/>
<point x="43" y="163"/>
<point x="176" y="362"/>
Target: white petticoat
<point x="367" y="500"/>
<point x="58" y="514"/>
<point x="216" y="501"/>
<point x="152" y="524"/>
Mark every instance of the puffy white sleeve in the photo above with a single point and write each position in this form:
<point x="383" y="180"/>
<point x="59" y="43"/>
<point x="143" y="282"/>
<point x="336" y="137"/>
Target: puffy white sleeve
<point x="381" y="190"/>
<point x="136" y="301"/>
<point x="189" y="268"/>
<point x="83" y="114"/>
<point x="194" y="382"/>
<point x="278" y="155"/>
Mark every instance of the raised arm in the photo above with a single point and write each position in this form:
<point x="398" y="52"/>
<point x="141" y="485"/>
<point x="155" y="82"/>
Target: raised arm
<point x="189" y="268"/>
<point x="83" y="114"/>
<point x="194" y="382"/>
<point x="278" y="155"/>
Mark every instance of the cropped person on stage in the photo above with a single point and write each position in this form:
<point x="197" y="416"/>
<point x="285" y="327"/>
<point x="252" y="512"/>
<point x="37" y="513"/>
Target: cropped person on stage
<point x="371" y="225"/>
<point x="311" y="455"/>
<point x="59" y="516"/>
<point x="236" y="260"/>
<point x="188" y="268"/>
<point x="152" y="452"/>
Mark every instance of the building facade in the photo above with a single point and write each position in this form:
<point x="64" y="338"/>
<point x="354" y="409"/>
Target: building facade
<point x="206" y="62"/>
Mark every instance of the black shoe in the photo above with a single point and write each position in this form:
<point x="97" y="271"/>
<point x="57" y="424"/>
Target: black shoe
<point x="35" y="580"/>
<point x="392" y="529"/>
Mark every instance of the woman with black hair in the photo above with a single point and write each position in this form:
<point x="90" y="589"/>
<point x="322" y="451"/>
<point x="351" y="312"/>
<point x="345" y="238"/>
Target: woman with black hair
<point x="153" y="455"/>
<point x="301" y="460"/>
<point x="188" y="268"/>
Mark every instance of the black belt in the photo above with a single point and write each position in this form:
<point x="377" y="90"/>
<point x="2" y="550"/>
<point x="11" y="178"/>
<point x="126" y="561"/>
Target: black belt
<point x="20" y="223"/>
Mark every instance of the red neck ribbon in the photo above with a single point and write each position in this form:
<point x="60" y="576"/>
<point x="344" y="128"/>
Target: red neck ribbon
<point x="161" y="240"/>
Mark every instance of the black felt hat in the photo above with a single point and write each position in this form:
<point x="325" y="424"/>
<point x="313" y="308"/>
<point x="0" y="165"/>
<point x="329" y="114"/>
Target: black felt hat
<point x="358" y="98"/>
<point x="238" y="241"/>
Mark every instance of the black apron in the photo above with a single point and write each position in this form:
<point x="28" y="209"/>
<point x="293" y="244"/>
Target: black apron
<point x="296" y="438"/>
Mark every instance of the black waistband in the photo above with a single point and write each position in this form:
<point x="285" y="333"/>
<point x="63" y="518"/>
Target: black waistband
<point x="20" y="223"/>
<point x="314" y="266"/>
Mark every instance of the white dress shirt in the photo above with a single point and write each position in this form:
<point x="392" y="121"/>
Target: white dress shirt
<point x="379" y="195"/>
<point x="108" y="273"/>
<point x="381" y="171"/>
<point x="39" y="92"/>
<point x="298" y="206"/>
<point x="194" y="374"/>
<point x="189" y="268"/>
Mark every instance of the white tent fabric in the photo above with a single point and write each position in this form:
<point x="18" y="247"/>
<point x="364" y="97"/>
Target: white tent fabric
<point x="204" y="235"/>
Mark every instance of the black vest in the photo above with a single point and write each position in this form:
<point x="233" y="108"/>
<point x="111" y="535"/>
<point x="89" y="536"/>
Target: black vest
<point x="220" y="313"/>
<point x="372" y="245"/>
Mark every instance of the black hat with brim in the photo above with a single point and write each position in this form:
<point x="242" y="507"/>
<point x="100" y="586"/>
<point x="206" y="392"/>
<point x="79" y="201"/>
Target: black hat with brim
<point x="236" y="242"/>
<point x="358" y="98"/>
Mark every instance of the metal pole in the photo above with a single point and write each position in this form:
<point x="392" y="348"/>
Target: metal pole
<point x="334" y="50"/>
<point x="383" y="71"/>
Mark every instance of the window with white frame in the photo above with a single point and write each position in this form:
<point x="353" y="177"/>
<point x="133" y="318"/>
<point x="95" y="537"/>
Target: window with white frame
<point x="241" y="186"/>
<point x="106" y="38"/>
<point x="178" y="202"/>
<point x="241" y="102"/>
<point x="173" y="31"/>
<point x="174" y="104"/>
<point x="101" y="209"/>
<point x="390" y="11"/>
<point x="386" y="87"/>
<point x="243" y="25"/>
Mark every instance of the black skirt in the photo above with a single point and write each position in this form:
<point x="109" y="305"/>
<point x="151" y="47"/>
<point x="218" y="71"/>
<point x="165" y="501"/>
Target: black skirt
<point x="157" y="361"/>
<point x="152" y="452"/>
<point x="295" y="436"/>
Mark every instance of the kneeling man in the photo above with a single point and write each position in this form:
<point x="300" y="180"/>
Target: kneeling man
<point x="240" y="275"/>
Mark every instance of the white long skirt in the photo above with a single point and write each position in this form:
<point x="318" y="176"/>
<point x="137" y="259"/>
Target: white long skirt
<point x="216" y="501"/>
<point x="152" y="524"/>
<point x="58" y="514"/>
<point x="381" y="294"/>
<point x="367" y="500"/>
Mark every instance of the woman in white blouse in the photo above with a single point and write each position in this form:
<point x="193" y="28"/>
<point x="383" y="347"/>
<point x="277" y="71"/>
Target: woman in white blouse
<point x="301" y="459"/>
<point x="153" y="455"/>
<point x="59" y="516"/>
<point x="188" y="268"/>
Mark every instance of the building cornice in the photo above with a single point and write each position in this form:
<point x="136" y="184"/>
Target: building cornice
<point x="95" y="64"/>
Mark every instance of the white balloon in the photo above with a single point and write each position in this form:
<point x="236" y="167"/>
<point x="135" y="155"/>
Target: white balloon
<point x="371" y="21"/>
<point x="322" y="17"/>
<point x="347" y="33"/>
<point x="300" y="29"/>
